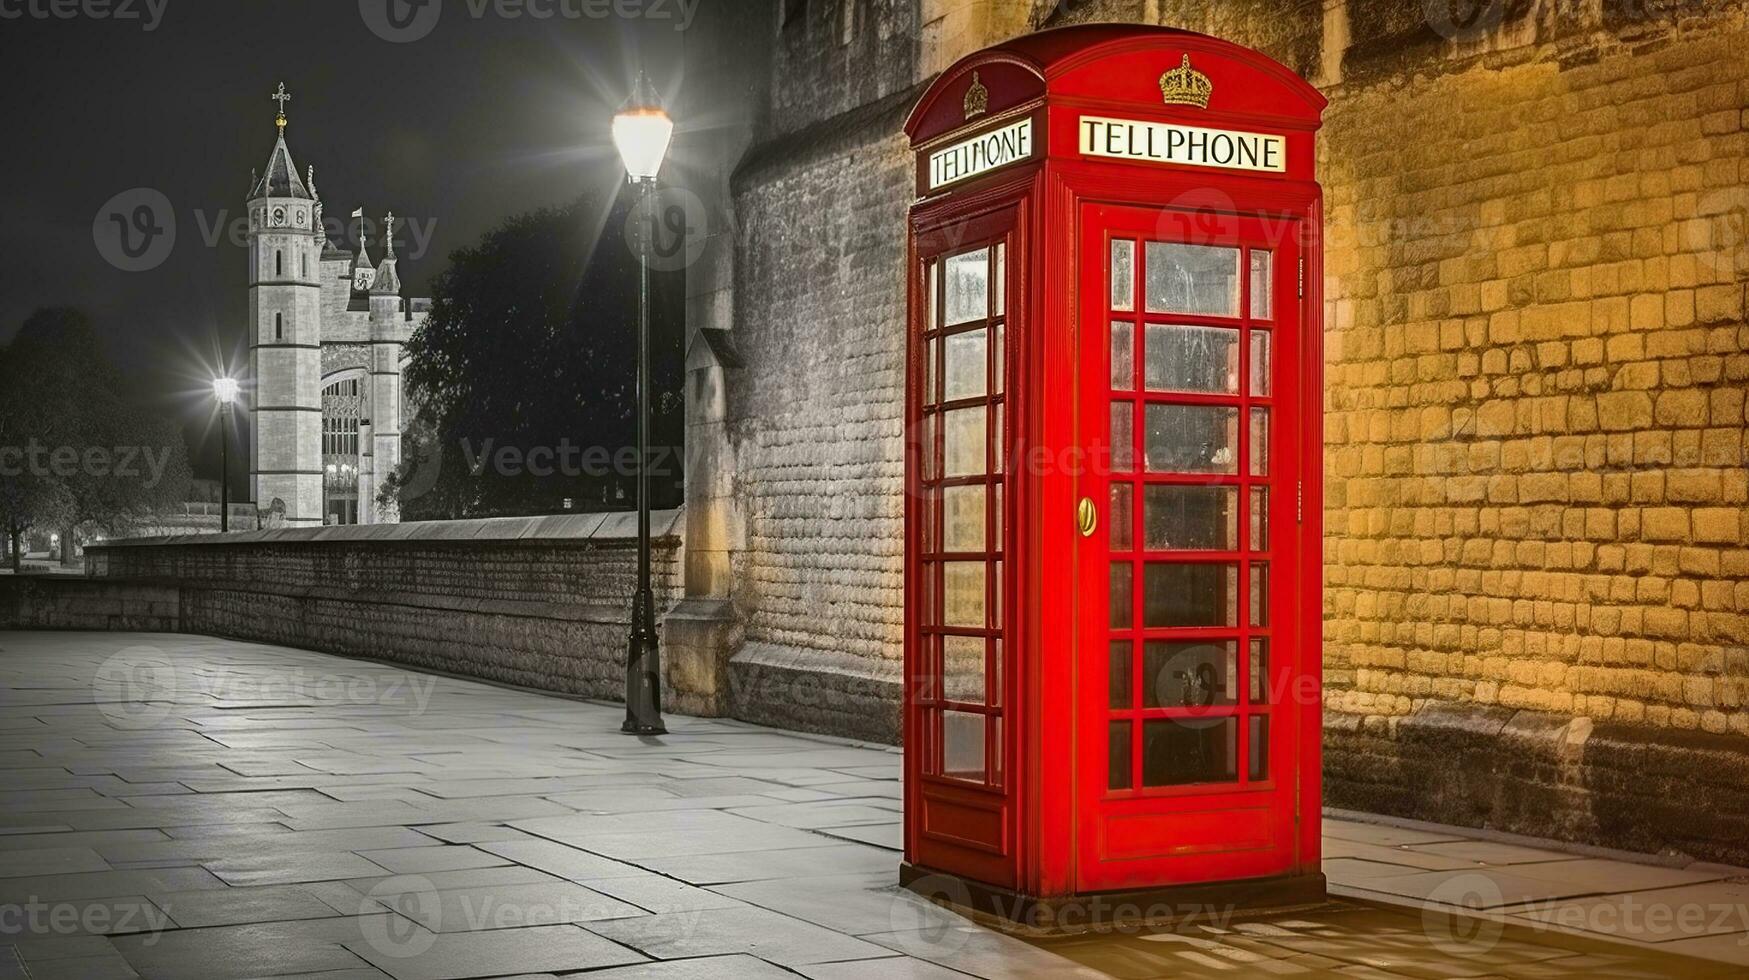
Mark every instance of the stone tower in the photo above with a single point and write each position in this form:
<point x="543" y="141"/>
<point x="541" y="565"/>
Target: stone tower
<point x="285" y="252"/>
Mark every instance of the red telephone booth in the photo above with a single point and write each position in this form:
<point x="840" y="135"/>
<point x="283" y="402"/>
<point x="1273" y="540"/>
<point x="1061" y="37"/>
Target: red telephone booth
<point x="1112" y="523"/>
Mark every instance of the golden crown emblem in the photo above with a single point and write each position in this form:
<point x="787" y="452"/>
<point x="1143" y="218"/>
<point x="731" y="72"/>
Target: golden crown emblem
<point x="977" y="98"/>
<point x="1185" y="85"/>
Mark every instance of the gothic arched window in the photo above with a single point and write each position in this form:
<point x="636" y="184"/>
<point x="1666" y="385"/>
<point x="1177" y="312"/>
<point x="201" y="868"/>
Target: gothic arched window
<point x="279" y="326"/>
<point x="278" y="263"/>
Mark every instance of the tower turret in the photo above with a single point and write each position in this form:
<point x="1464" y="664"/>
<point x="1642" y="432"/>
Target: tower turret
<point x="390" y="328"/>
<point x="285" y="252"/>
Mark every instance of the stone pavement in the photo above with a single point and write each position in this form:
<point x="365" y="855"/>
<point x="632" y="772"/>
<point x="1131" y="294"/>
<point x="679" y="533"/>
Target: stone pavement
<point x="190" y="807"/>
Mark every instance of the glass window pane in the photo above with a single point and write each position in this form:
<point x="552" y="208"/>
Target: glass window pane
<point x="1259" y="518"/>
<point x="962" y="668"/>
<point x="934" y="297"/>
<point x="931" y="354"/>
<point x="996" y="746"/>
<point x="1259" y="442"/>
<point x="1176" y="751"/>
<point x="1121" y="518"/>
<point x="1121" y="697"/>
<point x="1123" y="437"/>
<point x="1118" y="769"/>
<point x="926" y="446"/>
<point x="996" y="593"/>
<point x="1198" y="279"/>
<point x="968" y="286"/>
<point x="964" y="441"/>
<point x="1000" y="279"/>
<point x="963" y="594"/>
<point x="1259" y="684"/>
<point x="1190" y="594"/>
<point x="995" y="693"/>
<point x="996" y="518"/>
<point x="1260" y="367"/>
<point x="1192" y="439"/>
<point x="1260" y="281"/>
<point x="1259" y="594"/>
<point x="1200" y="359"/>
<point x="1123" y="355"/>
<point x="1190" y="673"/>
<point x="1258" y="771"/>
<point x="1190" y="518"/>
<point x="1122" y="599"/>
<point x="962" y="745"/>
<point x="999" y="352"/>
<point x="1123" y="273"/>
<point x="999" y="440"/>
<point x="963" y="518"/>
<point x="967" y="365"/>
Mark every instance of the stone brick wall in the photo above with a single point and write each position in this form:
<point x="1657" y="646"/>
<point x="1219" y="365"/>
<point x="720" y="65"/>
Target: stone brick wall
<point x="817" y="423"/>
<point x="542" y="602"/>
<point x="1536" y="373"/>
<point x="1536" y="370"/>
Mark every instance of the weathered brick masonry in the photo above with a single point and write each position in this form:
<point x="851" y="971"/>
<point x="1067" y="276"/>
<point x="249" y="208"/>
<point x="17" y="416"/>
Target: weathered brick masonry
<point x="1536" y="565"/>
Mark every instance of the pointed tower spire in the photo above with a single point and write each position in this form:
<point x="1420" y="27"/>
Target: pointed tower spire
<point x="281" y="178"/>
<point x="387" y="284"/>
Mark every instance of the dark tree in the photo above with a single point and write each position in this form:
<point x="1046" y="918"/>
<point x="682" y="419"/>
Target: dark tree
<point x="78" y="452"/>
<point x="521" y="384"/>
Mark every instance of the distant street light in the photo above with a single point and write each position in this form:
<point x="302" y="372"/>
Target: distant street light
<point x="225" y="390"/>
<point x="641" y="132"/>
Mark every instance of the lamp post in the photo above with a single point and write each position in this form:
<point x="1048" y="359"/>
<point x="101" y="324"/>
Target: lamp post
<point x="641" y="132"/>
<point x="225" y="390"/>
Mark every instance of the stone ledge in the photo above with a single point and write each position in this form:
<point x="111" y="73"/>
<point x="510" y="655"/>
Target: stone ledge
<point x="615" y="527"/>
<point x="1655" y="791"/>
<point x="820" y="691"/>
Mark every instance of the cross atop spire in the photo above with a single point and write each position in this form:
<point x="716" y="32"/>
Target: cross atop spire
<point x="282" y="97"/>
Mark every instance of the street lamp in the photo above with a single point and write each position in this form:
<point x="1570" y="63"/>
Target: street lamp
<point x="641" y="132"/>
<point x="225" y="390"/>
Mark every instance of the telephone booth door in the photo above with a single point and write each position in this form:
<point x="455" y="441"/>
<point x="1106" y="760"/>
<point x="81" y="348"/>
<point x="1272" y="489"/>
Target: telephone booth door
<point x="1190" y="545"/>
<point x="960" y="589"/>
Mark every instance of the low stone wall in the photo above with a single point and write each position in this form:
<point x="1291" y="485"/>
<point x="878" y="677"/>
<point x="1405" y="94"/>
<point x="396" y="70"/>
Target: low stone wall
<point x="1659" y="791"/>
<point x="542" y="602"/>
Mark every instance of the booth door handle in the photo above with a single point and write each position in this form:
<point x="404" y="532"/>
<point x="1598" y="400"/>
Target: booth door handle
<point x="1086" y="517"/>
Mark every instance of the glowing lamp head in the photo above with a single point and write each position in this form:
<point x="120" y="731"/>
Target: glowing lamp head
<point x="641" y="131"/>
<point x="225" y="390"/>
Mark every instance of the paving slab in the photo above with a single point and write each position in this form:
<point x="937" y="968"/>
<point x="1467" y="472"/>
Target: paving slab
<point x="488" y="832"/>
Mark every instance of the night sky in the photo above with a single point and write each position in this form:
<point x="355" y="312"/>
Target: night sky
<point x="484" y="117"/>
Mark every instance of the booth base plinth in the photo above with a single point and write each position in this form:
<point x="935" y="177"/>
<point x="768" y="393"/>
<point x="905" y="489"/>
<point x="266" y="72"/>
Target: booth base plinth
<point x="1008" y="909"/>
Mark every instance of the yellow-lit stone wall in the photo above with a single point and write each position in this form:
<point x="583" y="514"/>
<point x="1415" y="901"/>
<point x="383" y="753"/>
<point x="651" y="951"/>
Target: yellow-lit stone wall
<point x="1535" y="375"/>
